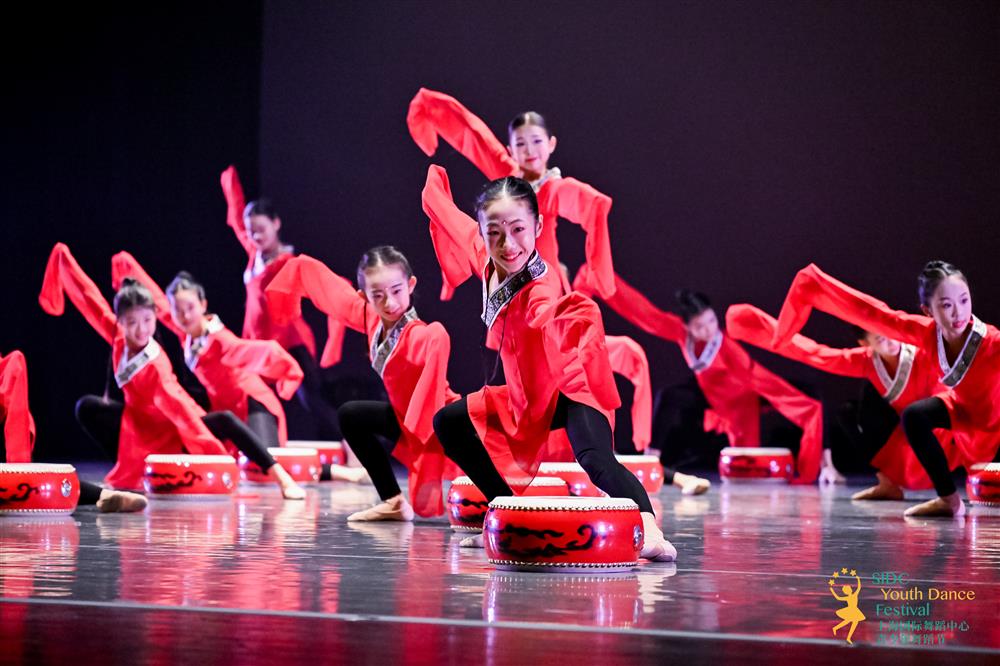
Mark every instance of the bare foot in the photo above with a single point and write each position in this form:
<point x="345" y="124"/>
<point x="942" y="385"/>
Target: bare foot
<point x="352" y="474"/>
<point x="474" y="541"/>
<point x="289" y="489"/>
<point x="396" y="508"/>
<point x="119" y="501"/>
<point x="944" y="507"/>
<point x="691" y="485"/>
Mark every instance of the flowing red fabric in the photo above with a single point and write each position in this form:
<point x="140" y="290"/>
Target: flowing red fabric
<point x="974" y="404"/>
<point x="415" y="375"/>
<point x="230" y="368"/>
<point x="159" y="416"/>
<point x="628" y="359"/>
<point x="18" y="425"/>
<point x="733" y="383"/>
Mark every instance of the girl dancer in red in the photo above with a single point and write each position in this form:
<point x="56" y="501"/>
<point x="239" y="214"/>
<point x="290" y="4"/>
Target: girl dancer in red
<point x="158" y="416"/>
<point x="529" y="146"/>
<point x="257" y="227"/>
<point x="731" y="381"/>
<point x="410" y="356"/>
<point x="968" y="357"/>
<point x="17" y="438"/>
<point x="901" y="373"/>
<point x="553" y="353"/>
<point x="235" y="372"/>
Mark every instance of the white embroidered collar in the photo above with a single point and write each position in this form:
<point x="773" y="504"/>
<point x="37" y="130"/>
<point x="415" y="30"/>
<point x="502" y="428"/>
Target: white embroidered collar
<point x="550" y="174"/>
<point x="193" y="346"/>
<point x="707" y="357"/>
<point x="954" y="373"/>
<point x="893" y="387"/>
<point x="130" y="367"/>
<point x="506" y="290"/>
<point x="380" y="353"/>
<point x="259" y="264"/>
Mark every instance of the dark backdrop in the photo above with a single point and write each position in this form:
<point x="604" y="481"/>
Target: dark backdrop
<point x="738" y="140"/>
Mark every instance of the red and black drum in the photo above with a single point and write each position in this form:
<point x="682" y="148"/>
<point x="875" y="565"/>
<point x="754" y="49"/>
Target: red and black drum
<point x="38" y="489"/>
<point x="467" y="506"/>
<point x="983" y="484"/>
<point x="647" y="469"/>
<point x="742" y="464"/>
<point x="563" y="534"/>
<point x="330" y="453"/>
<point x="302" y="464"/>
<point x="574" y="476"/>
<point x="187" y="477"/>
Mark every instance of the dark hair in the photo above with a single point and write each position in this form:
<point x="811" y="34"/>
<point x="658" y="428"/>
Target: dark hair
<point x="527" y="118"/>
<point x="515" y="188"/>
<point x="690" y="304"/>
<point x="383" y="255"/>
<point x="859" y="332"/>
<point x="185" y="281"/>
<point x="262" y="206"/>
<point x="132" y="295"/>
<point x="934" y="273"/>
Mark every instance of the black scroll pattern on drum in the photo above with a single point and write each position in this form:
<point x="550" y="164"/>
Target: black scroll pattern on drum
<point x="189" y="480"/>
<point x="549" y="549"/>
<point x="24" y="491"/>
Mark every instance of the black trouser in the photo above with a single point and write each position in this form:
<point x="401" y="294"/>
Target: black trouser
<point x="679" y="427"/>
<point x="868" y="422"/>
<point x="362" y="421"/>
<point x="310" y="395"/>
<point x="263" y="423"/>
<point x="102" y="420"/>
<point x="589" y="434"/>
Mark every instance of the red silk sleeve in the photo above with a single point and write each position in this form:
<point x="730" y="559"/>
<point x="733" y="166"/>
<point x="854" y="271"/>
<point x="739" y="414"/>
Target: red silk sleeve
<point x="752" y="325"/>
<point x="635" y="308"/>
<point x="333" y="350"/>
<point x="583" y="205"/>
<point x="232" y="189"/>
<point x="124" y="265"/>
<point x="800" y="409"/>
<point x="64" y="277"/>
<point x="183" y="412"/>
<point x="18" y="426"/>
<point x="812" y="288"/>
<point x="431" y="348"/>
<point x="269" y="360"/>
<point x="305" y="277"/>
<point x="629" y="360"/>
<point x="433" y="114"/>
<point x="459" y="248"/>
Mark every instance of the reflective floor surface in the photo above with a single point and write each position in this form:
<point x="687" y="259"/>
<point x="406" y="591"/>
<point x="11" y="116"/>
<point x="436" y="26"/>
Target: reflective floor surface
<point x="261" y="580"/>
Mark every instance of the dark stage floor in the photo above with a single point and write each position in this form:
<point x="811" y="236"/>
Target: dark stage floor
<point x="259" y="580"/>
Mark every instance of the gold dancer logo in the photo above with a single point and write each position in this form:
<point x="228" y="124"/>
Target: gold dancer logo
<point x="849" y="614"/>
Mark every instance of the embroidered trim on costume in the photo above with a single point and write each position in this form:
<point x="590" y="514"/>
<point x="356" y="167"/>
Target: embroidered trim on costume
<point x="380" y="353"/>
<point x="550" y="174"/>
<point x="953" y="374"/>
<point x="129" y="369"/>
<point x="894" y="386"/>
<point x="708" y="354"/>
<point x="508" y="289"/>
<point x="193" y="346"/>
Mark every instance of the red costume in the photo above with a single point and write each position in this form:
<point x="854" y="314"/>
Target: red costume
<point x="159" y="416"/>
<point x="230" y="368"/>
<point x="970" y="386"/>
<point x="732" y="382"/>
<point x="18" y="425"/>
<point x="915" y="378"/>
<point x="549" y="344"/>
<point x="412" y="361"/>
<point x="629" y="360"/>
<point x="257" y="322"/>
<point x="434" y="114"/>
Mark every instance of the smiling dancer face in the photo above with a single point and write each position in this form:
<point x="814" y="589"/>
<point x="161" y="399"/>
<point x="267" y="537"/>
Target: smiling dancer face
<point x="263" y="225"/>
<point x="945" y="296"/>
<point x="509" y="223"/>
<point x="387" y="282"/>
<point x="188" y="306"/>
<point x="136" y="314"/>
<point x="529" y="144"/>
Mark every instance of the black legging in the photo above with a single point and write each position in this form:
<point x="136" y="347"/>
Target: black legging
<point x="589" y="434"/>
<point x="263" y="423"/>
<point x="919" y="421"/>
<point x="868" y="422"/>
<point x="310" y="395"/>
<point x="101" y="419"/>
<point x="361" y="422"/>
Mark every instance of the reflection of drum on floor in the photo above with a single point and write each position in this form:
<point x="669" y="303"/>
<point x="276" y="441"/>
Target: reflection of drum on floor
<point x="647" y="469"/>
<point x="575" y="477"/>
<point x="602" y="601"/>
<point x="756" y="464"/>
<point x="983" y="484"/>
<point x="467" y="506"/>
<point x="187" y="477"/>
<point x="302" y="464"/>
<point x="38" y="555"/>
<point x="558" y="534"/>
<point x="31" y="489"/>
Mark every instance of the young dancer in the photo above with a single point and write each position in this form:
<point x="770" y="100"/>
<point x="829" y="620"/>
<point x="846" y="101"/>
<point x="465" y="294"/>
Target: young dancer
<point x="553" y="352"/>
<point x="235" y="372"/>
<point x="158" y="416"/>
<point x="410" y="356"/>
<point x="526" y="155"/>
<point x="731" y="382"/>
<point x="968" y="357"/>
<point x="257" y="227"/>
<point x="900" y="372"/>
<point x="17" y="438"/>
